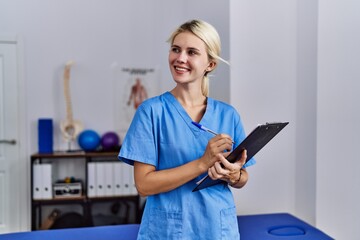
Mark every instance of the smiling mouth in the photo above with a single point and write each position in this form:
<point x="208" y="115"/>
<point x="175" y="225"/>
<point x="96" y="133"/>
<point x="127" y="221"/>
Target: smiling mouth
<point x="181" y="69"/>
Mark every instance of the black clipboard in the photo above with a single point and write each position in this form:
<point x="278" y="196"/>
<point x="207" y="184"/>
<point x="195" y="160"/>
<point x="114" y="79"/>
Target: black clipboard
<point x="253" y="143"/>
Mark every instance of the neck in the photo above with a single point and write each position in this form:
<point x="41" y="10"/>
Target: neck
<point x="189" y="98"/>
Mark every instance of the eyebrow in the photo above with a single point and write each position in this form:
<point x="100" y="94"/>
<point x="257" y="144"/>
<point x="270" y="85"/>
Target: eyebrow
<point x="190" y="48"/>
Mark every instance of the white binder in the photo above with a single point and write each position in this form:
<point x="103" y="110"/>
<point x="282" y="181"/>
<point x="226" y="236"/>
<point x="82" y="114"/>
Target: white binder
<point x="118" y="187"/>
<point x="47" y="190"/>
<point x="91" y="179"/>
<point x="109" y="181"/>
<point x="100" y="179"/>
<point x="133" y="190"/>
<point x="37" y="179"/>
<point x="42" y="181"/>
<point x="126" y="171"/>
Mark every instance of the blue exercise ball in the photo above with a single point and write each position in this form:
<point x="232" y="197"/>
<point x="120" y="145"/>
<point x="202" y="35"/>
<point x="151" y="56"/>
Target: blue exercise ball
<point x="89" y="140"/>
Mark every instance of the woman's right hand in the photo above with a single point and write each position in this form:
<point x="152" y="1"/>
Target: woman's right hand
<point x="150" y="181"/>
<point x="220" y="144"/>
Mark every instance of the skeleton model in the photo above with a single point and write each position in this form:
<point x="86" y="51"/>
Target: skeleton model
<point x="70" y="128"/>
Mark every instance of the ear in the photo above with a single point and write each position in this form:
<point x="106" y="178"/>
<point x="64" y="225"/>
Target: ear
<point x="211" y="66"/>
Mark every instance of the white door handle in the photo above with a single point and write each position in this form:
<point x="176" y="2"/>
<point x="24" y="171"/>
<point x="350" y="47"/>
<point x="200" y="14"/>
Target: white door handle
<point x="11" y="142"/>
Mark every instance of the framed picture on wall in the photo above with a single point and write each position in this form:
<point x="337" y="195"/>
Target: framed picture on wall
<point x="131" y="87"/>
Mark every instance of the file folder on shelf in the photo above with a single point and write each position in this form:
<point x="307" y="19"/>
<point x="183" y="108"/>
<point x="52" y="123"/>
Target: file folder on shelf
<point x="37" y="181"/>
<point x="126" y="172"/>
<point x="118" y="187"/>
<point x="109" y="178"/>
<point x="42" y="181"/>
<point x="100" y="179"/>
<point x="47" y="191"/>
<point x="91" y="179"/>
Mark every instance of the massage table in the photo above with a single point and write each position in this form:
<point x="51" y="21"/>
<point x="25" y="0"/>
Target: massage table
<point x="252" y="227"/>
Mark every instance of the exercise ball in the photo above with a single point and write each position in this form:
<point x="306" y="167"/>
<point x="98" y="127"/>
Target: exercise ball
<point x="89" y="140"/>
<point x="110" y="141"/>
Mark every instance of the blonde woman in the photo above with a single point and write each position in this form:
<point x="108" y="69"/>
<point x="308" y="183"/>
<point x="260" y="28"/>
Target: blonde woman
<point x="170" y="154"/>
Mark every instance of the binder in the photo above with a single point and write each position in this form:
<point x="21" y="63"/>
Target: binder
<point x="118" y="188"/>
<point x="42" y="181"/>
<point x="100" y="179"/>
<point x="37" y="179"/>
<point x="91" y="179"/>
<point x="126" y="178"/>
<point x="133" y="190"/>
<point x="109" y="181"/>
<point x="253" y="143"/>
<point x="47" y="190"/>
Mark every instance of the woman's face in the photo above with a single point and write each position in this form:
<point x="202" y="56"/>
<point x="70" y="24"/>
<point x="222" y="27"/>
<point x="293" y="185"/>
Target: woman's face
<point x="188" y="59"/>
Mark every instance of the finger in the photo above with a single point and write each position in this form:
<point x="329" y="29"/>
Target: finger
<point x="243" y="157"/>
<point x="226" y="139"/>
<point x="223" y="136"/>
<point x="222" y="140"/>
<point x="231" y="167"/>
<point x="218" y="148"/>
<point x="223" y="146"/>
<point x="220" y="170"/>
<point x="226" y="154"/>
<point x="213" y="174"/>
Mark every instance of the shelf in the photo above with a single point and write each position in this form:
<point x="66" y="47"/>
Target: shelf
<point x="111" y="198"/>
<point x="77" y="154"/>
<point x="64" y="200"/>
<point x="85" y="201"/>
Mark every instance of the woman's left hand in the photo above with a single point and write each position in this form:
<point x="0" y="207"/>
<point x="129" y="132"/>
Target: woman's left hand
<point x="226" y="171"/>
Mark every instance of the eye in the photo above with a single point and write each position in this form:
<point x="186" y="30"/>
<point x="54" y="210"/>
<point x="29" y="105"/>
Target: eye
<point x="175" y="49"/>
<point x="192" y="52"/>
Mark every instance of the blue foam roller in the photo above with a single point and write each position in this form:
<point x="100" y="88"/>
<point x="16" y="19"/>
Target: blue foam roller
<point x="45" y="135"/>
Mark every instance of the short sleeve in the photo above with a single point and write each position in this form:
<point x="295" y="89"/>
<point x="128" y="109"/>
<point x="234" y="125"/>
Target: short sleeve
<point x="139" y="143"/>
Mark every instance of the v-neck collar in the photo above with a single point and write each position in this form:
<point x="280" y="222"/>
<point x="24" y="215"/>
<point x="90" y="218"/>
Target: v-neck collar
<point x="185" y="116"/>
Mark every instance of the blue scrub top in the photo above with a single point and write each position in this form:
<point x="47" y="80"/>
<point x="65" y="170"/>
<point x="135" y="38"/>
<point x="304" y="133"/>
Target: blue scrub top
<point x="161" y="134"/>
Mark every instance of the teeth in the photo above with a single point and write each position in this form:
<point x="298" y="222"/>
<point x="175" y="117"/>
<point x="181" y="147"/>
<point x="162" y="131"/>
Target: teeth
<point x="181" y="69"/>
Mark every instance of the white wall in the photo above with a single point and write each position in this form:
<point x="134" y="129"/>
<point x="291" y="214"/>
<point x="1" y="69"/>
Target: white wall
<point x="306" y="88"/>
<point x="337" y="177"/>
<point x="311" y="49"/>
<point x="263" y="89"/>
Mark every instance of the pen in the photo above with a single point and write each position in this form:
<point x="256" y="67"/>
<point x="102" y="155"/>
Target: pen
<point x="206" y="129"/>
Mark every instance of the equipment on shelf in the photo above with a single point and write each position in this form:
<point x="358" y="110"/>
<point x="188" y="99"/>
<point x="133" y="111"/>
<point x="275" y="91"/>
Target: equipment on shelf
<point x="69" y="127"/>
<point x="89" y="140"/>
<point x="71" y="189"/>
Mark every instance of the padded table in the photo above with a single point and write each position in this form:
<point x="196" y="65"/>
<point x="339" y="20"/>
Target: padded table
<point x="277" y="226"/>
<point x="282" y="226"/>
<point x="113" y="232"/>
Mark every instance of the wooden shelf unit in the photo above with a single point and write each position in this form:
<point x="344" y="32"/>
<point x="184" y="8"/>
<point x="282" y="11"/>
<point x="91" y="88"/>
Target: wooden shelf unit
<point x="84" y="201"/>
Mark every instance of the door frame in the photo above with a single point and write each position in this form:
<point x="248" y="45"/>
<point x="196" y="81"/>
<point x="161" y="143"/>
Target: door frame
<point x="24" y="162"/>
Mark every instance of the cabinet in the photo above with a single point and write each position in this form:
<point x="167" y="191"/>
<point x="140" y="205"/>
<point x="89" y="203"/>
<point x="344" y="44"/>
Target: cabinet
<point x="84" y="199"/>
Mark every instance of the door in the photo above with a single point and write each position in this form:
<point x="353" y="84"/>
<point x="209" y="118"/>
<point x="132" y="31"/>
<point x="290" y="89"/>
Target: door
<point x="10" y="152"/>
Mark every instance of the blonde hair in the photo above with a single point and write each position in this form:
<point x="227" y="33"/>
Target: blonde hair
<point x="208" y="34"/>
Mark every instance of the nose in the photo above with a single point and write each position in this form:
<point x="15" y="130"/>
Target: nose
<point x="182" y="57"/>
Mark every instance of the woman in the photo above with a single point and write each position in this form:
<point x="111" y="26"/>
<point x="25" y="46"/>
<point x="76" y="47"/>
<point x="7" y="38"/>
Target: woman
<point x="170" y="154"/>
